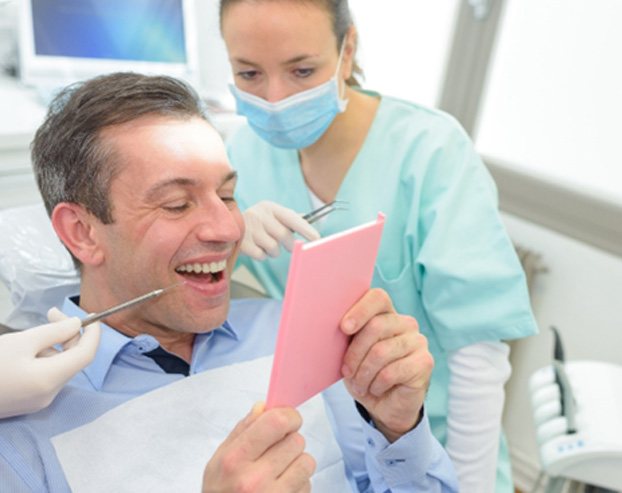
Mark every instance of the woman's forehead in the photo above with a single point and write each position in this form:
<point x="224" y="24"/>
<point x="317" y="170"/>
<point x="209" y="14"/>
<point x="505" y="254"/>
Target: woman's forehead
<point x="296" y="22"/>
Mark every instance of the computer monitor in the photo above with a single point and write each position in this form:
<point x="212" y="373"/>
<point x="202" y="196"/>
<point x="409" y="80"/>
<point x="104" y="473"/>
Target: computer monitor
<point x="63" y="41"/>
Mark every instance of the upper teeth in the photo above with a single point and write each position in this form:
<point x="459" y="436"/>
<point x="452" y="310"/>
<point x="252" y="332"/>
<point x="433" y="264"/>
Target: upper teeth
<point x="205" y="268"/>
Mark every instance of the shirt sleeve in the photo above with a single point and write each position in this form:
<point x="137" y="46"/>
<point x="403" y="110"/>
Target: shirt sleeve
<point x="415" y="462"/>
<point x="16" y="471"/>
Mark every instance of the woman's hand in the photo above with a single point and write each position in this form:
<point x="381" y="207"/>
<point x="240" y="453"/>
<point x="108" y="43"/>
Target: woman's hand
<point x="32" y="371"/>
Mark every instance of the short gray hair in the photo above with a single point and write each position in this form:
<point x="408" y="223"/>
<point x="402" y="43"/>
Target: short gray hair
<point x="69" y="160"/>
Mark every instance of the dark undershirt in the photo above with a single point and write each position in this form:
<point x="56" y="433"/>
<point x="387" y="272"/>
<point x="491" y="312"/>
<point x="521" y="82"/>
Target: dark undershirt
<point x="169" y="362"/>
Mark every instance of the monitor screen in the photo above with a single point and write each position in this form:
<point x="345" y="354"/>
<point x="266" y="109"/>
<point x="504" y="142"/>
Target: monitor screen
<point x="62" y="41"/>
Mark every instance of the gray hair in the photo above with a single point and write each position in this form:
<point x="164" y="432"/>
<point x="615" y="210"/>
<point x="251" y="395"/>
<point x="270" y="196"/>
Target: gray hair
<point x="70" y="161"/>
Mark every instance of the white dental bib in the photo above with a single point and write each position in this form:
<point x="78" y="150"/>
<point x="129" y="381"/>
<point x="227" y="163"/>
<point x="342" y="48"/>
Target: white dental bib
<point x="161" y="441"/>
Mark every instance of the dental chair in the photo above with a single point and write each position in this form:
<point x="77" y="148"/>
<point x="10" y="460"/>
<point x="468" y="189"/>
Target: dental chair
<point x="39" y="272"/>
<point x="4" y="329"/>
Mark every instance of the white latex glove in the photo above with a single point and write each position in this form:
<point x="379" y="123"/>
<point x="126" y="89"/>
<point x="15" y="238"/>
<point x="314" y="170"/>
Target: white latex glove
<point x="32" y="372"/>
<point x="270" y="225"/>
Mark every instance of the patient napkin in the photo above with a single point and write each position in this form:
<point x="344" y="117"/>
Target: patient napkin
<point x="161" y="441"/>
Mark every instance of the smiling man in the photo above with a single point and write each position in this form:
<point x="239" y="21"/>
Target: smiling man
<point x="140" y="191"/>
<point x="175" y="219"/>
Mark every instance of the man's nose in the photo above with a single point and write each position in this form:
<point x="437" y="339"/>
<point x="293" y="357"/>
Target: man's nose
<point x="217" y="222"/>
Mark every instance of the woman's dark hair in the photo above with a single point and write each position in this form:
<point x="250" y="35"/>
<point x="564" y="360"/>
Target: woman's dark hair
<point x="339" y="12"/>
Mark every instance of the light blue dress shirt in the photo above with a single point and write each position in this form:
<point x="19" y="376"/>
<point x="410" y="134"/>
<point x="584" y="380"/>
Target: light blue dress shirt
<point x="121" y="371"/>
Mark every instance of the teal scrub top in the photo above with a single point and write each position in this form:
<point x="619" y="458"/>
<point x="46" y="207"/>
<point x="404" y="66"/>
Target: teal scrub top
<point x="445" y="257"/>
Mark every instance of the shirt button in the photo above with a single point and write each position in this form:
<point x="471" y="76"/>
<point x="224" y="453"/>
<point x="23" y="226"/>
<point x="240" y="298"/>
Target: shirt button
<point x="389" y="462"/>
<point x="370" y="442"/>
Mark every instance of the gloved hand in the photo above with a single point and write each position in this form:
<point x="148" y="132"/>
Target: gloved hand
<point x="270" y="225"/>
<point x="32" y="372"/>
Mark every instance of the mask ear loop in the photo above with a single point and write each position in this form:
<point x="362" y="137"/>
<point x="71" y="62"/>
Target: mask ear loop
<point x="341" y="52"/>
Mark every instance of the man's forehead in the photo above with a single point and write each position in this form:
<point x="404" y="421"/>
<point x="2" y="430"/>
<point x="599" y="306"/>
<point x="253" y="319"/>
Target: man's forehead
<point x="167" y="151"/>
<point x="159" y="131"/>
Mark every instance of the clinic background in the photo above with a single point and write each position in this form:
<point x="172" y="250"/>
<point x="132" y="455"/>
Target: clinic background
<point x="536" y="84"/>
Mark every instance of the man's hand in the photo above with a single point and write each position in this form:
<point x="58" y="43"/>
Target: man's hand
<point x="270" y="225"/>
<point x="263" y="453"/>
<point x="33" y="372"/>
<point x="387" y="366"/>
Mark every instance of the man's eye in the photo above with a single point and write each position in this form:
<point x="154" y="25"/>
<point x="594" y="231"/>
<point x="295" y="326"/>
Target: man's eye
<point x="176" y="208"/>
<point x="229" y="201"/>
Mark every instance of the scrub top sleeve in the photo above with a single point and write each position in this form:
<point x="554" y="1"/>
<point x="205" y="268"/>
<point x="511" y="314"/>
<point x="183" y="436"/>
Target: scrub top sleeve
<point x="472" y="285"/>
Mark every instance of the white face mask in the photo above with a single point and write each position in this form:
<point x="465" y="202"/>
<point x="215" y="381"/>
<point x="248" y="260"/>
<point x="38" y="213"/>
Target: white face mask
<point x="297" y="121"/>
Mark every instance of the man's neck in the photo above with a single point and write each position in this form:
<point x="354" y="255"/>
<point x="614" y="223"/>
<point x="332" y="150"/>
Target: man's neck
<point x="130" y="324"/>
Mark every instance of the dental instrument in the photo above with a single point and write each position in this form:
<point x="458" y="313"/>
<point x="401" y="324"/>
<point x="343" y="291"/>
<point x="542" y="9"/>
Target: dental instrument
<point x="94" y="317"/>
<point x="320" y="212"/>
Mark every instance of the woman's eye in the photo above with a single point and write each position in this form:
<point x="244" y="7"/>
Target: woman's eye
<point x="303" y="72"/>
<point x="247" y="74"/>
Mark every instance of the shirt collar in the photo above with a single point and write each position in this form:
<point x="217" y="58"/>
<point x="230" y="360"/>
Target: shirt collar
<point x="112" y="342"/>
<point x="227" y="330"/>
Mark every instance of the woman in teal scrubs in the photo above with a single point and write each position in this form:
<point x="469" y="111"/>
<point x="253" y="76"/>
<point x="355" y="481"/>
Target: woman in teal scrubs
<point x="315" y="136"/>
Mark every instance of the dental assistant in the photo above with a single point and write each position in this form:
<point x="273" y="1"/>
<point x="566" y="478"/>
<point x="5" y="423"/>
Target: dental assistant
<point x="314" y="136"/>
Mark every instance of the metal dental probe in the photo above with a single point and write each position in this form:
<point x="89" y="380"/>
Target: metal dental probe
<point x="94" y="317"/>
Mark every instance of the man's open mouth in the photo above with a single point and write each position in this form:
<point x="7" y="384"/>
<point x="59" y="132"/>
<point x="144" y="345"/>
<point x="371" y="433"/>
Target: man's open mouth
<point x="206" y="272"/>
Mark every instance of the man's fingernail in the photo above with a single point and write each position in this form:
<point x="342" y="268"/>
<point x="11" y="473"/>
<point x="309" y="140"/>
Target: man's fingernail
<point x="255" y="411"/>
<point x="258" y="408"/>
<point x="349" y="325"/>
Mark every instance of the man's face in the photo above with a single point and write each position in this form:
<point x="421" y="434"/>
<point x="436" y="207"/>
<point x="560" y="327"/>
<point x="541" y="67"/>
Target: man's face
<point x="175" y="220"/>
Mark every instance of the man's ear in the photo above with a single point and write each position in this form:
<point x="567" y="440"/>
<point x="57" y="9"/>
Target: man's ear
<point x="75" y="226"/>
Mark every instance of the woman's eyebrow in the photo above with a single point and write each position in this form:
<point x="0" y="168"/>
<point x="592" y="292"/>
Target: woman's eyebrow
<point x="296" y="59"/>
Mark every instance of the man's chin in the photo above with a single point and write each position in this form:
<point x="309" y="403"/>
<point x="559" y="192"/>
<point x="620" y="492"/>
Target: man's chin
<point x="208" y="320"/>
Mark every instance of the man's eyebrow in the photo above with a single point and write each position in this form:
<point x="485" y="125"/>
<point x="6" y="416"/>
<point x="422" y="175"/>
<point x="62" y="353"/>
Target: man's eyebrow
<point x="161" y="187"/>
<point x="231" y="176"/>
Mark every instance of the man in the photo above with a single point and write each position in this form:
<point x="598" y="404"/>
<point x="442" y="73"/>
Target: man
<point x="139" y="189"/>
